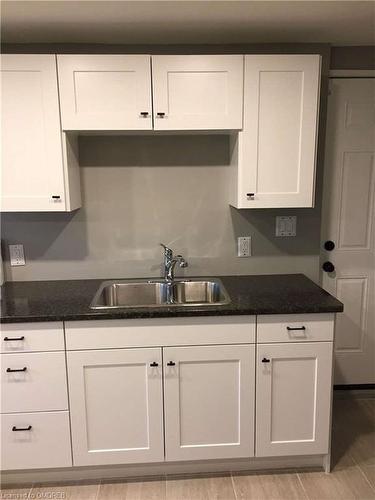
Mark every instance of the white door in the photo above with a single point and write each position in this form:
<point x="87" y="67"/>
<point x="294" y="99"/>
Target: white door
<point x="197" y="92"/>
<point x="293" y="398"/>
<point x="116" y="406"/>
<point x="32" y="176"/>
<point x="209" y="402"/>
<point x="277" y="148"/>
<point x="105" y="92"/>
<point x="348" y="222"/>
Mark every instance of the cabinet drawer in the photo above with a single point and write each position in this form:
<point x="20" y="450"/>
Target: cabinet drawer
<point x="114" y="333"/>
<point x="40" y="386"/>
<point x="45" y="443"/>
<point x="28" y="337"/>
<point x="295" y="327"/>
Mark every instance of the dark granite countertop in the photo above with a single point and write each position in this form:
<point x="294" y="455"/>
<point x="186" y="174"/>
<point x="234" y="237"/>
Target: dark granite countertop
<point x="27" y="301"/>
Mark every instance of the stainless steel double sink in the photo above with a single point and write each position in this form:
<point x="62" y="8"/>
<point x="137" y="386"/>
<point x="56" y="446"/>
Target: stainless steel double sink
<point x="159" y="293"/>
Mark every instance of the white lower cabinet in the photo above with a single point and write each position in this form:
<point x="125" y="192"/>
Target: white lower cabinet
<point x="33" y="381"/>
<point x="116" y="406"/>
<point x="293" y="398"/>
<point x="35" y="440"/>
<point x="209" y="402"/>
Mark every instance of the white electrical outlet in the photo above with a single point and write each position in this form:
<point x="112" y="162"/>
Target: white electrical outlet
<point x="244" y="246"/>
<point x="286" y="225"/>
<point x="17" y="256"/>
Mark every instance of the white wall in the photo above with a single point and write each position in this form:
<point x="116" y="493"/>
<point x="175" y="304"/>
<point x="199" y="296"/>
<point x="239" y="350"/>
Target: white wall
<point x="139" y="191"/>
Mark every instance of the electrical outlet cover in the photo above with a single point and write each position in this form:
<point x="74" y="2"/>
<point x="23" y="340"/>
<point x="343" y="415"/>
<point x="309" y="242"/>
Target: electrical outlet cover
<point x="286" y="225"/>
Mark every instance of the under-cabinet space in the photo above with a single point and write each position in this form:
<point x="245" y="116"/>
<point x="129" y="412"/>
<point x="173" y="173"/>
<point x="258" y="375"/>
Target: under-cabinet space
<point x="39" y="164"/>
<point x="293" y="398"/>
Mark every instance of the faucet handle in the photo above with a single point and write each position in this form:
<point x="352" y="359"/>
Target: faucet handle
<point x="167" y="250"/>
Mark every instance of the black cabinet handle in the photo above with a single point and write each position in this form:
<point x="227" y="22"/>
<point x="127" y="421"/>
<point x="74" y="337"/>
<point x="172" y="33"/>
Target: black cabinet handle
<point x="160" y="115"/>
<point x="265" y="360"/>
<point x="15" y="429"/>
<point x="291" y="328"/>
<point x="55" y="197"/>
<point x="328" y="267"/>
<point x="144" y="114"/>
<point x="154" y="364"/>
<point x="11" y="370"/>
<point x="9" y="339"/>
<point x="250" y="195"/>
<point x="171" y="363"/>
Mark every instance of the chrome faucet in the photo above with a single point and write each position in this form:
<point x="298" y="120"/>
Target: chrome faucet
<point x="169" y="263"/>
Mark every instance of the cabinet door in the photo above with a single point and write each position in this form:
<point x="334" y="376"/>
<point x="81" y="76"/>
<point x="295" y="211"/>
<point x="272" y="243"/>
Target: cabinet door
<point x="293" y="398"/>
<point x="116" y="406"/>
<point x="105" y="92"/>
<point x="197" y="92"/>
<point x="277" y="148"/>
<point x="32" y="162"/>
<point x="209" y="402"/>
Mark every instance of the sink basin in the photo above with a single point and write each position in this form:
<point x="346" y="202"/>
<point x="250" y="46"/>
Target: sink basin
<point x="158" y="293"/>
<point x="199" y="292"/>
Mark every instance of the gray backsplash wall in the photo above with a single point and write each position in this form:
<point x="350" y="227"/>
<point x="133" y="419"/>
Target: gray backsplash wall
<point x="142" y="190"/>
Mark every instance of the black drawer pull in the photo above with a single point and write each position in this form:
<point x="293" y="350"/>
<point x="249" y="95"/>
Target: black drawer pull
<point x="55" y="197"/>
<point x="171" y="363"/>
<point x="15" y="429"/>
<point x="265" y="360"/>
<point x="154" y="363"/>
<point x="160" y="115"/>
<point x="144" y="113"/>
<point x="11" y="370"/>
<point x="250" y="195"/>
<point x="291" y="328"/>
<point x="9" y="339"/>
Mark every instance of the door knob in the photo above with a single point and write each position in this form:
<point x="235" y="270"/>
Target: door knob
<point x="329" y="245"/>
<point x="328" y="267"/>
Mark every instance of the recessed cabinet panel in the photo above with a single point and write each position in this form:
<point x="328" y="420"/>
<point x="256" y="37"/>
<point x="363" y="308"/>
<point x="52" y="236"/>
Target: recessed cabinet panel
<point x="277" y="148"/>
<point x="33" y="381"/>
<point x="34" y="176"/>
<point x="105" y="92"/>
<point x="209" y="402"/>
<point x="38" y="440"/>
<point x="116" y="406"/>
<point x="197" y="92"/>
<point x="293" y="398"/>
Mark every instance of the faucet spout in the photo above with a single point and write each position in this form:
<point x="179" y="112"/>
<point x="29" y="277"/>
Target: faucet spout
<point x="170" y="262"/>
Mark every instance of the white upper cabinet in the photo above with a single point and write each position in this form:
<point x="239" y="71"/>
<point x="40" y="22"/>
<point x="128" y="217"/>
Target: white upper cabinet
<point x="197" y="92"/>
<point x="105" y="92"/>
<point x="39" y="171"/>
<point x="113" y="92"/>
<point x="277" y="148"/>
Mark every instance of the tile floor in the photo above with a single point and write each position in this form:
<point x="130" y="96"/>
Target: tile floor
<point x="353" y="475"/>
